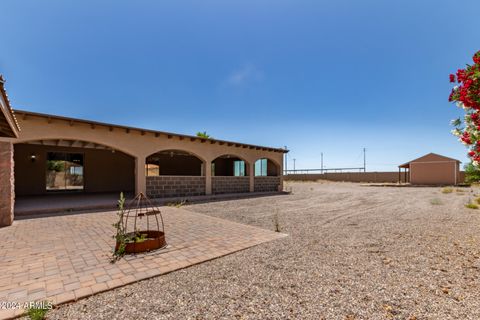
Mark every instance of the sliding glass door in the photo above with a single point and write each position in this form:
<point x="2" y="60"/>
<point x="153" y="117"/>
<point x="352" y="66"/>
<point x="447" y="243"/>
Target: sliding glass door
<point x="64" y="171"/>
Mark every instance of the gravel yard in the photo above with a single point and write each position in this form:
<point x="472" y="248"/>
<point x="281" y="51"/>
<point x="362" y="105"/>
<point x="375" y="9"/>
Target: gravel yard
<point x="353" y="252"/>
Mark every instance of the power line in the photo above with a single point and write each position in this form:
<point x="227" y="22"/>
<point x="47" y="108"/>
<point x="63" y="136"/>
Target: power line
<point x="364" y="160"/>
<point x="322" y="167"/>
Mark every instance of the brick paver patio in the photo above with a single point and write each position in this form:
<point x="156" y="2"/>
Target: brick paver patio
<point x="64" y="258"/>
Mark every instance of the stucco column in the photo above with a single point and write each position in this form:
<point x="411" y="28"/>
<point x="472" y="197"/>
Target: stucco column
<point x="208" y="177"/>
<point x="7" y="186"/>
<point x="251" y="175"/>
<point x="140" y="175"/>
<point x="280" y="173"/>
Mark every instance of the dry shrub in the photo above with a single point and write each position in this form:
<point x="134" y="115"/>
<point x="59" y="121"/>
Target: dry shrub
<point x="447" y="190"/>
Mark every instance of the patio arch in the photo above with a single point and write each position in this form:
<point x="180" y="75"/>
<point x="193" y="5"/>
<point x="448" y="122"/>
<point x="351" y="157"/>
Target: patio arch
<point x="74" y="142"/>
<point x="230" y="165"/>
<point x="174" y="173"/>
<point x="174" y="162"/>
<point x="266" y="166"/>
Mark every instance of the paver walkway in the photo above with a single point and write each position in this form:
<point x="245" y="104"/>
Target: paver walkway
<point x="64" y="258"/>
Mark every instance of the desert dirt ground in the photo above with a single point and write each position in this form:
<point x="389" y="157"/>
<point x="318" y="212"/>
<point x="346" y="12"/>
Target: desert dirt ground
<point x="353" y="252"/>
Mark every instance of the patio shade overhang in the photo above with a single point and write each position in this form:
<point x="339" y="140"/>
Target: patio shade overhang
<point x="9" y="127"/>
<point x="25" y="114"/>
<point x="404" y="166"/>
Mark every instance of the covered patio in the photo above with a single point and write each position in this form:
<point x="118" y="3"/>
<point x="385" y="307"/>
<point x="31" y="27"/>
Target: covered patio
<point x="404" y="171"/>
<point x="62" y="164"/>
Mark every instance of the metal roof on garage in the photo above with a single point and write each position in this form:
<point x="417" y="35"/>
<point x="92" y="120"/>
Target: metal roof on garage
<point x="430" y="157"/>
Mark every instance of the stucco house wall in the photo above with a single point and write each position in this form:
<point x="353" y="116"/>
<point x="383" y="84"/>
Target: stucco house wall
<point x="140" y="144"/>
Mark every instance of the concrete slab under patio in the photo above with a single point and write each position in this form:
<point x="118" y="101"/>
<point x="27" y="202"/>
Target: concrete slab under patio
<point x="67" y="202"/>
<point x="67" y="257"/>
<point x="72" y="202"/>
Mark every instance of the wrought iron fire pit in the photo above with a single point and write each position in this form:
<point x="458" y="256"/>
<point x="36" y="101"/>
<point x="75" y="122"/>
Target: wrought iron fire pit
<point x="143" y="226"/>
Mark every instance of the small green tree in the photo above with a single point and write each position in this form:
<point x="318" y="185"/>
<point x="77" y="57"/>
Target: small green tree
<point x="204" y="134"/>
<point x="56" y="165"/>
<point x="472" y="173"/>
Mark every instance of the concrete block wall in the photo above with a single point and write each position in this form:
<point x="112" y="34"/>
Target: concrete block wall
<point x="266" y="184"/>
<point x="175" y="186"/>
<point x="230" y="184"/>
<point x="363" y="177"/>
<point x="7" y="193"/>
<point x="375" y="177"/>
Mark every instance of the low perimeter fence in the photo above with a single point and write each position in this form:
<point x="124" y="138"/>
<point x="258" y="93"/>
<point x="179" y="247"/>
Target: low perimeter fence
<point x="366" y="177"/>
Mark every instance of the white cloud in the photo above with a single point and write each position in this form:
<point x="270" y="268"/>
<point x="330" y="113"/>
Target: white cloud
<point x="245" y="75"/>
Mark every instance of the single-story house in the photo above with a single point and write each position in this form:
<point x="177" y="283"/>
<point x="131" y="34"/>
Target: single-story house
<point x="432" y="169"/>
<point x="43" y="154"/>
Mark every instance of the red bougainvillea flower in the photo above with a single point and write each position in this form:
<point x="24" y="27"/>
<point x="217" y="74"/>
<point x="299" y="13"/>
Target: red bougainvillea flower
<point x="467" y="96"/>
<point x="476" y="58"/>
<point x="461" y="75"/>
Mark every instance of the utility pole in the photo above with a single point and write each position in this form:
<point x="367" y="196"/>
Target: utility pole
<point x="364" y="160"/>
<point x="321" y="166"/>
<point x="294" y="160"/>
<point x="286" y="161"/>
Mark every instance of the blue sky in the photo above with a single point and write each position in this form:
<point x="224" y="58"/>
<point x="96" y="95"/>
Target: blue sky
<point x="316" y="76"/>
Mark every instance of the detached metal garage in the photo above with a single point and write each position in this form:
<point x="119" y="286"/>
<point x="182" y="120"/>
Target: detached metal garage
<point x="432" y="169"/>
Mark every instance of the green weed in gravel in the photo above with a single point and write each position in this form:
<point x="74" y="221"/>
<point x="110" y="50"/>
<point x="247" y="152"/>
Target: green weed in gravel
<point x="38" y="311"/>
<point x="471" y="206"/>
<point x="177" y="204"/>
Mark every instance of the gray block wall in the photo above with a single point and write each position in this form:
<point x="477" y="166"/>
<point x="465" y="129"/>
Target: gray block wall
<point x="175" y="186"/>
<point x="230" y="184"/>
<point x="267" y="184"/>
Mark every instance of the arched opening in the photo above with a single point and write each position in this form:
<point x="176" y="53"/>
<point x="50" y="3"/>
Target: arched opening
<point x="174" y="173"/>
<point x="266" y="168"/>
<point x="55" y="166"/>
<point x="174" y="163"/>
<point x="230" y="175"/>
<point x="267" y="176"/>
<point x="229" y="166"/>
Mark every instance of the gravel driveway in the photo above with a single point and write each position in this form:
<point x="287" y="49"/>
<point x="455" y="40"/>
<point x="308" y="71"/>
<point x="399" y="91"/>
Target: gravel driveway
<point x="354" y="252"/>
